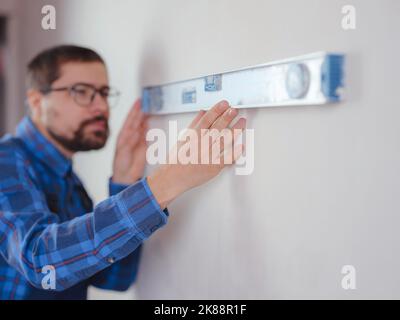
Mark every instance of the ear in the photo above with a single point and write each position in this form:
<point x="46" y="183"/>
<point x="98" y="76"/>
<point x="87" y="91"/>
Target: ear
<point x="35" y="99"/>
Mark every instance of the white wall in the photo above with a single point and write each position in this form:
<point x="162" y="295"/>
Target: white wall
<point x="325" y="188"/>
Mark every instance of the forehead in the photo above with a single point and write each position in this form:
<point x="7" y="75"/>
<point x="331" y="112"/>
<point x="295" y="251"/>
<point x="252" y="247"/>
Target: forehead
<point x="88" y="72"/>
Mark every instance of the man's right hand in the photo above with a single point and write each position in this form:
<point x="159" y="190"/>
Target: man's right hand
<point x="173" y="179"/>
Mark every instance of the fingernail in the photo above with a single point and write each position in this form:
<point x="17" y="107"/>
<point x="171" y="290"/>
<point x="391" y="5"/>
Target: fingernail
<point x="224" y="103"/>
<point x="232" y="111"/>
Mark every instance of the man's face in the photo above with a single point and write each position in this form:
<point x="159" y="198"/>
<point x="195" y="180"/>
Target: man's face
<point x="77" y="127"/>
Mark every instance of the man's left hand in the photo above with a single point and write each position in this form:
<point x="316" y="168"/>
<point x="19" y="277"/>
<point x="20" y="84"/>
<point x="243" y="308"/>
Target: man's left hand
<point x="130" y="154"/>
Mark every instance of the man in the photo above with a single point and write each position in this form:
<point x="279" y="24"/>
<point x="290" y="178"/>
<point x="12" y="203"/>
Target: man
<point x="49" y="229"/>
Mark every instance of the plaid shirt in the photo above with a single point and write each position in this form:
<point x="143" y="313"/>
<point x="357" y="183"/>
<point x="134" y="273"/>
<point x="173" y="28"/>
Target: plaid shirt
<point x="47" y="219"/>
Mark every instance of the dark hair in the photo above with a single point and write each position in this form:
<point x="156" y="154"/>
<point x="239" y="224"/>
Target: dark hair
<point x="44" y="69"/>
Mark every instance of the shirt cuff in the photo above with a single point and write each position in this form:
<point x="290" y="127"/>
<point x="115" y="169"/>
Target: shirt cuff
<point x="150" y="193"/>
<point x="114" y="188"/>
<point x="139" y="204"/>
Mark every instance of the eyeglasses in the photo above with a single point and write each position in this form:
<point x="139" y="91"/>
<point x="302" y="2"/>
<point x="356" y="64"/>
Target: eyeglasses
<point x="84" y="94"/>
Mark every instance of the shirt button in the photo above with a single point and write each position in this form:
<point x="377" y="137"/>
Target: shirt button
<point x="110" y="260"/>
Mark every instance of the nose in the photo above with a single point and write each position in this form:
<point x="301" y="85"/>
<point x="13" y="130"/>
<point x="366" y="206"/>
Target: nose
<point x="99" y="104"/>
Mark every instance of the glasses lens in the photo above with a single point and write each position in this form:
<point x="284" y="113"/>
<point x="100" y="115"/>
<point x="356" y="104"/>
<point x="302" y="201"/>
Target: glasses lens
<point x="83" y="94"/>
<point x="112" y="96"/>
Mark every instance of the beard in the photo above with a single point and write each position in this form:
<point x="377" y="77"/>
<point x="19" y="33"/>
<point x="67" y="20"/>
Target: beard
<point x="81" y="141"/>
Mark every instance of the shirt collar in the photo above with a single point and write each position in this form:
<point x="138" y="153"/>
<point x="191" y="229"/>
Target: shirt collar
<point x="42" y="148"/>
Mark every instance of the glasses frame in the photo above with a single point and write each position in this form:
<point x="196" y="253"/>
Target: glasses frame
<point x="96" y="91"/>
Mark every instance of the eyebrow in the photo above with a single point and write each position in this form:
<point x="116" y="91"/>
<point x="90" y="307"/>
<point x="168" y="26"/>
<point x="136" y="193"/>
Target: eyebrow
<point x="90" y="85"/>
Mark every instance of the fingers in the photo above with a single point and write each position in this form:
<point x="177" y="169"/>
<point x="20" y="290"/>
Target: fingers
<point x="134" y="119"/>
<point x="238" y="151"/>
<point x="225" y="119"/>
<point x="134" y="127"/>
<point x="135" y="115"/>
<point x="231" y="155"/>
<point x="143" y="130"/>
<point x="235" y="131"/>
<point x="212" y="115"/>
<point x="135" y="110"/>
<point x="240" y="125"/>
<point x="225" y="151"/>
<point x="196" y="119"/>
<point x="136" y="122"/>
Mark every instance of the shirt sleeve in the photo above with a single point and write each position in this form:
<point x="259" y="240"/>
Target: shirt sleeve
<point x="32" y="238"/>
<point x="122" y="274"/>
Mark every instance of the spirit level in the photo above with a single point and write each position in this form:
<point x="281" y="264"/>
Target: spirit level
<point x="313" y="79"/>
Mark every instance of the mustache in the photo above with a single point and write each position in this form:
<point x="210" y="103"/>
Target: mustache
<point x="90" y="121"/>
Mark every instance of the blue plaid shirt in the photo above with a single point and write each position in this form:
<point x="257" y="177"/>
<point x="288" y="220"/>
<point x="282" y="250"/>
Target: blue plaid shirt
<point x="48" y="219"/>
